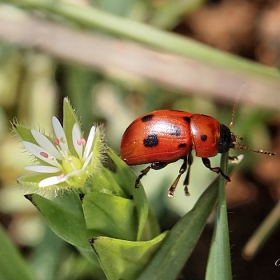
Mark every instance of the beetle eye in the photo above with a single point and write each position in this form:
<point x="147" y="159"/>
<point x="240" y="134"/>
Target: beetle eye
<point x="225" y="142"/>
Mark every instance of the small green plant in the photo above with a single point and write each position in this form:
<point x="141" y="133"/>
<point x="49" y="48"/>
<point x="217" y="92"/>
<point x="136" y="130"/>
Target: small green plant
<point x="66" y="160"/>
<point x="89" y="200"/>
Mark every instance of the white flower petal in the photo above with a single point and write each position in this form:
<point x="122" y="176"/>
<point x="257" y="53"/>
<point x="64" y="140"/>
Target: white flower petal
<point x="45" y="143"/>
<point x="51" y="181"/>
<point x="89" y="142"/>
<point x="37" y="151"/>
<point x="60" y="134"/>
<point x="76" y="136"/>
<point x="87" y="160"/>
<point x="42" y="168"/>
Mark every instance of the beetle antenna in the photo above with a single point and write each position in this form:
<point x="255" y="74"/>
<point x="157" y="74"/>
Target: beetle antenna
<point x="238" y="146"/>
<point x="233" y="110"/>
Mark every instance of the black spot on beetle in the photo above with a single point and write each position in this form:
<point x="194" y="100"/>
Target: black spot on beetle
<point x="150" y="141"/>
<point x="187" y="119"/>
<point x="147" y="118"/>
<point x="182" y="145"/>
<point x="175" y="130"/>
<point x="203" y="137"/>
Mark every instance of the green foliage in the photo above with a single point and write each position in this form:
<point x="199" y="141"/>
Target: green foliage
<point x="12" y="265"/>
<point x="113" y="217"/>
<point x="105" y="218"/>
<point x="122" y="259"/>
<point x="219" y="262"/>
<point x="182" y="238"/>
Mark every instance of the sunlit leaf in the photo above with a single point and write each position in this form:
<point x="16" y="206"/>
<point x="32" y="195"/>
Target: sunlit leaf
<point x="125" y="177"/>
<point x="122" y="259"/>
<point x="110" y="215"/>
<point x="65" y="217"/>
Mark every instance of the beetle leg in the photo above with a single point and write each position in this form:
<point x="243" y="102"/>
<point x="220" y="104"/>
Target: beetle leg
<point x="218" y="170"/>
<point x="158" y="165"/>
<point x="143" y="173"/>
<point x="187" y="178"/>
<point x="154" y="165"/>
<point x="182" y="170"/>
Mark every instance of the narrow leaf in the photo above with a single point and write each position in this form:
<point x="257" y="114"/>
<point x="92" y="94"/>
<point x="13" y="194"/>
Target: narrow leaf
<point x="219" y="264"/>
<point x="146" y="34"/>
<point x="178" y="245"/>
<point x="263" y="232"/>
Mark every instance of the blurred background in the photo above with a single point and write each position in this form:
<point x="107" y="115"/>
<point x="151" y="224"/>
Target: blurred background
<point x="111" y="79"/>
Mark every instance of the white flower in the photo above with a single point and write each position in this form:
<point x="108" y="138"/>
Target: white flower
<point x="57" y="160"/>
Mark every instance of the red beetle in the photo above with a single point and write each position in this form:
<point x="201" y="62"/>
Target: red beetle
<point x="165" y="136"/>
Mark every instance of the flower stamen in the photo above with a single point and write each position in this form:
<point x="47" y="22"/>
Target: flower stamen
<point x="66" y="159"/>
<point x="61" y="176"/>
<point x="81" y="142"/>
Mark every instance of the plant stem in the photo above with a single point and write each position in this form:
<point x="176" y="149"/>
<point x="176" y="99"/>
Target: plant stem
<point x="126" y="28"/>
<point x="263" y="232"/>
<point x="219" y="263"/>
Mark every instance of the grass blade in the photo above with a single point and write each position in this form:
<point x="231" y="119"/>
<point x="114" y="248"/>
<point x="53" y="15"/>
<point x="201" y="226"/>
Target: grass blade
<point x="219" y="264"/>
<point x="178" y="245"/>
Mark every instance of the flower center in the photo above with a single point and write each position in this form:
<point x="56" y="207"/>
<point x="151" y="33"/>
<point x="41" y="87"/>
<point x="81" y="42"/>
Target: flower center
<point x="71" y="164"/>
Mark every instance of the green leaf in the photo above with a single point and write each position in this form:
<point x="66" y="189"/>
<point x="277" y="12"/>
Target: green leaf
<point x="152" y="228"/>
<point x="65" y="217"/>
<point x="125" y="178"/>
<point x="12" y="265"/>
<point x="111" y="215"/>
<point x="117" y="179"/>
<point x="122" y="259"/>
<point x="94" y="262"/>
<point x="219" y="263"/>
<point x="178" y="245"/>
<point x="24" y="133"/>
<point x="104" y="182"/>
